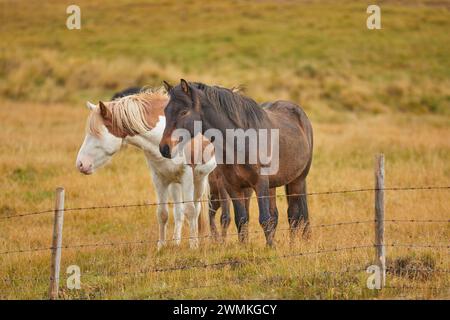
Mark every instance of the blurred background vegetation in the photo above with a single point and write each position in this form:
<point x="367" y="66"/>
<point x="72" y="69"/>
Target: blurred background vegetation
<point x="317" y="53"/>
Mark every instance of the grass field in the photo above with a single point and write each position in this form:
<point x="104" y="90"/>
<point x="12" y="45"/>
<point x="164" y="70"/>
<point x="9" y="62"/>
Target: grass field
<point x="365" y="91"/>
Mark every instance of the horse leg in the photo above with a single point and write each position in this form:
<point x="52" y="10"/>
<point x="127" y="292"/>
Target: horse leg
<point x="225" y="216"/>
<point x="298" y="207"/>
<point x="162" y="210"/>
<point x="248" y="195"/>
<point x="200" y="187"/>
<point x="240" y="214"/>
<point x="225" y="219"/>
<point x="265" y="219"/>
<point x="177" y="197"/>
<point x="189" y="207"/>
<point x="215" y="201"/>
<point x="273" y="208"/>
<point x="214" y="205"/>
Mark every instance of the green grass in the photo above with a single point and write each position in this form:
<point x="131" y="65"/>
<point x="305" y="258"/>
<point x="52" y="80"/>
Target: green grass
<point x="320" y="54"/>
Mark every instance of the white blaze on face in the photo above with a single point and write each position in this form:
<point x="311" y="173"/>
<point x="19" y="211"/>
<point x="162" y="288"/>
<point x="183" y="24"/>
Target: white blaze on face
<point x="97" y="150"/>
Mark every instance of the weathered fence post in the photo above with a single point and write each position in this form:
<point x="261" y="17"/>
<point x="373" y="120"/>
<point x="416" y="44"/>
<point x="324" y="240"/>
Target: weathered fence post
<point x="380" y="249"/>
<point x="56" y="244"/>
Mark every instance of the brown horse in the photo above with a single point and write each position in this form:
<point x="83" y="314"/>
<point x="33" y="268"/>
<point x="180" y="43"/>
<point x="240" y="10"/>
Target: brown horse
<point x="223" y="109"/>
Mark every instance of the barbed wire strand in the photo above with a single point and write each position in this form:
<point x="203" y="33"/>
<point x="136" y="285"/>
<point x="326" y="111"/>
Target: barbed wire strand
<point x="416" y="220"/>
<point x="227" y="235"/>
<point x="205" y="265"/>
<point x="174" y="240"/>
<point x="262" y="259"/>
<point x="233" y="282"/>
<point x="235" y="198"/>
<point x="148" y="241"/>
<point x="325" y="272"/>
<point x="252" y="278"/>
<point x="316" y="274"/>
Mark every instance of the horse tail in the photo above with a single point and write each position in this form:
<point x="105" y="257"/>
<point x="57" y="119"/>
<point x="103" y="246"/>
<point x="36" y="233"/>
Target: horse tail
<point x="204" y="211"/>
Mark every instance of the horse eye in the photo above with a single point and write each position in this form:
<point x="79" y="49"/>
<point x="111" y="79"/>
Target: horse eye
<point x="183" y="112"/>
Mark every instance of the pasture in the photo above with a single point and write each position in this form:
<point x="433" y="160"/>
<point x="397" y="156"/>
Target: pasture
<point x="365" y="92"/>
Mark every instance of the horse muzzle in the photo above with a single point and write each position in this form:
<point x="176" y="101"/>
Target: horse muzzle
<point x="85" y="165"/>
<point x="165" y="151"/>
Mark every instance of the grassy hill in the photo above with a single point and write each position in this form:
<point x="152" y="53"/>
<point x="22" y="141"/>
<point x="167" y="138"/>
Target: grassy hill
<point x="318" y="53"/>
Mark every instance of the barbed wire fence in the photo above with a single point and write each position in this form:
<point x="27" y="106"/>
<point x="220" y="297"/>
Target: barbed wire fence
<point x="151" y="204"/>
<point x="379" y="244"/>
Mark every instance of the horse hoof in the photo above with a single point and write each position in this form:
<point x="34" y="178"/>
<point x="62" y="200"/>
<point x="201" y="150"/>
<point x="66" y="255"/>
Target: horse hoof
<point x="218" y="240"/>
<point x="161" y="244"/>
<point x="194" y="245"/>
<point x="270" y="245"/>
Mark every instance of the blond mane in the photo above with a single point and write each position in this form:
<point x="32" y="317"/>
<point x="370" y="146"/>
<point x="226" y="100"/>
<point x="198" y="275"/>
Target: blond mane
<point x="129" y="112"/>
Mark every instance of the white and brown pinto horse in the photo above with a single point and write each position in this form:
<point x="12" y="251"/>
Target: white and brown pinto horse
<point x="139" y="120"/>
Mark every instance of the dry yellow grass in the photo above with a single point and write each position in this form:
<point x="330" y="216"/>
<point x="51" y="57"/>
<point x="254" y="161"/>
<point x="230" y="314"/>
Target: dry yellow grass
<point x="38" y="146"/>
<point x="317" y="53"/>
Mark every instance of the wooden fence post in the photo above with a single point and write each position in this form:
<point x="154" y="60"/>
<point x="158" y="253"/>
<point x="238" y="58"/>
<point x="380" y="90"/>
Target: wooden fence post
<point x="56" y="244"/>
<point x="380" y="248"/>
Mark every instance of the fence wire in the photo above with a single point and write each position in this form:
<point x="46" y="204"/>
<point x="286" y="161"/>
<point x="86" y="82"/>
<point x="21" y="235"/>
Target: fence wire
<point x="146" y="272"/>
<point x="303" y="286"/>
<point x="258" y="260"/>
<point x="136" y="205"/>
<point x="155" y="241"/>
<point x="235" y="262"/>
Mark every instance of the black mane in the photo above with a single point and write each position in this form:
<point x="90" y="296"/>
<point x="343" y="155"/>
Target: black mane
<point x="127" y="92"/>
<point x="242" y="110"/>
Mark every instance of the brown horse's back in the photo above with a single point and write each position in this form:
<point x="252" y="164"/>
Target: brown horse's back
<point x="296" y="141"/>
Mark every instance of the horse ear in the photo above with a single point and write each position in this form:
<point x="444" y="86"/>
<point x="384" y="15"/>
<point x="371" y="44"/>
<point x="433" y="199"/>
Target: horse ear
<point x="103" y="110"/>
<point x="90" y="105"/>
<point x="167" y="85"/>
<point x="185" y="86"/>
<point x="187" y="89"/>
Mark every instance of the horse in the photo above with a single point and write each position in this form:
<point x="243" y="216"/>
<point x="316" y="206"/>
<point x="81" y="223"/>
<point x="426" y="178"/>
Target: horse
<point x="138" y="120"/>
<point x="218" y="195"/>
<point x="222" y="109"/>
